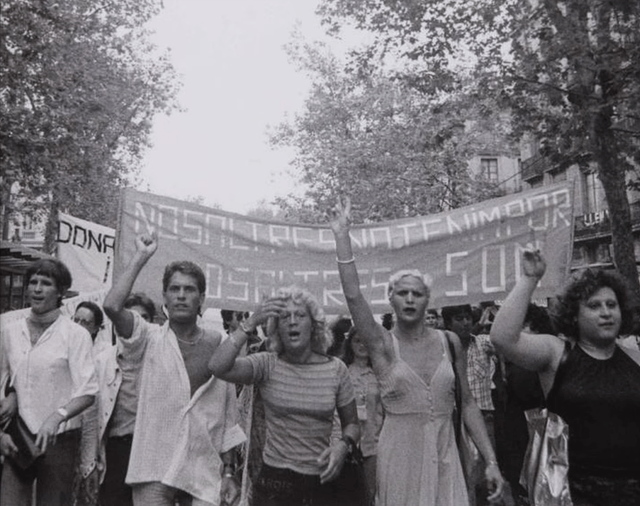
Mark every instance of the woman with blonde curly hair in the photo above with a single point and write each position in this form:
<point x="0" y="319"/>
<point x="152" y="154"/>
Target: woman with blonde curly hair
<point x="301" y="388"/>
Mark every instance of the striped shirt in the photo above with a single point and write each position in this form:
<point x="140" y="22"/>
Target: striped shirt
<point x="299" y="400"/>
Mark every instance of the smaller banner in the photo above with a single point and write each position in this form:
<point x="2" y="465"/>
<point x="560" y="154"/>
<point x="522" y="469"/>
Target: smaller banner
<point x="88" y="250"/>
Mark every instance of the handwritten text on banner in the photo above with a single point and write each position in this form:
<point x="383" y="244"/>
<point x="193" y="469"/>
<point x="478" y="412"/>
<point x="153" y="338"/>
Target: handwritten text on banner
<point x="472" y="254"/>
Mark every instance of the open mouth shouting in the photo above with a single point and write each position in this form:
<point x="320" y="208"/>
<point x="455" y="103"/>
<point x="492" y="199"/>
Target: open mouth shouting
<point x="294" y="335"/>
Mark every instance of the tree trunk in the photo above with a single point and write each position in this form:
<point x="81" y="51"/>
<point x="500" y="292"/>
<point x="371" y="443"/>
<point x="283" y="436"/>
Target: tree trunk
<point x="612" y="175"/>
<point x="51" y="230"/>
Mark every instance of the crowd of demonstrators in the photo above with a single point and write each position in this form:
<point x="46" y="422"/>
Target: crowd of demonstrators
<point x="47" y="360"/>
<point x="152" y="418"/>
<point x="590" y="381"/>
<point x="416" y="378"/>
<point x="301" y="387"/>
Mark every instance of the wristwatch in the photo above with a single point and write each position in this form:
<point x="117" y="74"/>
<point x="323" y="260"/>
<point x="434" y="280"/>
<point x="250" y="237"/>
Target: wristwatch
<point x="63" y="413"/>
<point x="228" y="471"/>
<point x="349" y="441"/>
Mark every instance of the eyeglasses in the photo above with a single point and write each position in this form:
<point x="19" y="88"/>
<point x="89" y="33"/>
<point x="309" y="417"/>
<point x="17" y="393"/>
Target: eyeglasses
<point x="84" y="323"/>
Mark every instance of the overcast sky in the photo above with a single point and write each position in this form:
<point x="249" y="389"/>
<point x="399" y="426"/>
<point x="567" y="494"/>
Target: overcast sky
<point x="236" y="81"/>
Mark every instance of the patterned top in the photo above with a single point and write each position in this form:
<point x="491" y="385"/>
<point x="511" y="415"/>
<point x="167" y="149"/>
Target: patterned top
<point x="481" y="366"/>
<point x="369" y="405"/>
<point x="299" y="401"/>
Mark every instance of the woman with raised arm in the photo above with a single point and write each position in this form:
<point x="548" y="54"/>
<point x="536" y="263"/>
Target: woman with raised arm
<point x="418" y="461"/>
<point x="598" y="390"/>
<point x="301" y="388"/>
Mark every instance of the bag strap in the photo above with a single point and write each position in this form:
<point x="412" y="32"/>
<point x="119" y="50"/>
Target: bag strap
<point x="561" y="371"/>
<point x="631" y="353"/>
<point x="457" y="391"/>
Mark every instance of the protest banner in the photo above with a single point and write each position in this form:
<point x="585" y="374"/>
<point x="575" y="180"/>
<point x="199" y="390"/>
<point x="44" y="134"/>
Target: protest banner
<point x="88" y="251"/>
<point x="472" y="254"/>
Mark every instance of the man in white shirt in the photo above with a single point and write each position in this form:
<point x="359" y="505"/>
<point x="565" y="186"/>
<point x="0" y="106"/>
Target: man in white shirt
<point x="46" y="359"/>
<point x="186" y="424"/>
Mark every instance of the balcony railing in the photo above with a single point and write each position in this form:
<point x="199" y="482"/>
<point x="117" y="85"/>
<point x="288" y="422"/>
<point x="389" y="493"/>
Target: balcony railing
<point x="533" y="167"/>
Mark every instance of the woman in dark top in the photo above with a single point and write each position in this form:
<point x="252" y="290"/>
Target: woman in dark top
<point x="598" y="392"/>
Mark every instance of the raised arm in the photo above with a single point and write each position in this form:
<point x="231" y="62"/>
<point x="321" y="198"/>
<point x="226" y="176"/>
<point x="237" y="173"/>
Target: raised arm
<point x="225" y="363"/>
<point x="363" y="319"/>
<point x="532" y="351"/>
<point x="146" y="246"/>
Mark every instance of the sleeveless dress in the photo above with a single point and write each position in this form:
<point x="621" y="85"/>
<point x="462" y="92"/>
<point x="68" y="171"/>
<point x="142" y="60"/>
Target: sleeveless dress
<point x="418" y="461"/>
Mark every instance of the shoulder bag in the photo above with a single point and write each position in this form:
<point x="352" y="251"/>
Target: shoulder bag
<point x="546" y="462"/>
<point x="25" y="440"/>
<point x="467" y="450"/>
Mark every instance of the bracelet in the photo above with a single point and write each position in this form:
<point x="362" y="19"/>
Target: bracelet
<point x="350" y="261"/>
<point x="492" y="463"/>
<point x="63" y="413"/>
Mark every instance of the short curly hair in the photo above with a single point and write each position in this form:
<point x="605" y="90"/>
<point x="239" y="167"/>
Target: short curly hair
<point x="580" y="288"/>
<point x="320" y="337"/>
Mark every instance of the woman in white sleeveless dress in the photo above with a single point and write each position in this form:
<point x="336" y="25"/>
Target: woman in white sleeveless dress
<point x="418" y="461"/>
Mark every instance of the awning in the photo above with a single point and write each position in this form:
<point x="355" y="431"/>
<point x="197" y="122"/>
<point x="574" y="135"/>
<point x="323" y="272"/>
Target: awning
<point x="15" y="258"/>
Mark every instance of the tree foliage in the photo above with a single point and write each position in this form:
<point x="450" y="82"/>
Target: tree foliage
<point x="395" y="149"/>
<point x="568" y="71"/>
<point x="575" y="79"/>
<point x="80" y="84"/>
